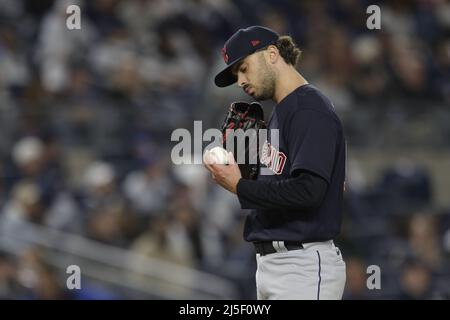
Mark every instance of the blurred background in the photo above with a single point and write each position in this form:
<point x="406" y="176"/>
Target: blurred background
<point x="85" y="123"/>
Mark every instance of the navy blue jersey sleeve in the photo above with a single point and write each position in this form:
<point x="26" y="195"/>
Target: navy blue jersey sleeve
<point x="312" y="141"/>
<point x="305" y="191"/>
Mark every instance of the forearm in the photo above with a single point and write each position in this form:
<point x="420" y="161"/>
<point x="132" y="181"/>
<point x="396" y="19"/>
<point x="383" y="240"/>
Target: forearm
<point x="303" y="192"/>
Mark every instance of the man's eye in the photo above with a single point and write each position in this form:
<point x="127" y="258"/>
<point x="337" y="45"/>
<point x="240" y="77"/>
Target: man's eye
<point x="243" y="70"/>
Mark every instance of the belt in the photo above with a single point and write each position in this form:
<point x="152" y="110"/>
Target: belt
<point x="268" y="247"/>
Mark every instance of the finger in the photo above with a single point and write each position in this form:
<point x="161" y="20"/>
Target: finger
<point x="231" y="158"/>
<point x="206" y="157"/>
<point x="207" y="160"/>
<point x="208" y="166"/>
<point x="214" y="167"/>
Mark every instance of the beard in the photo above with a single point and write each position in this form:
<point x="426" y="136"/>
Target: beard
<point x="266" y="90"/>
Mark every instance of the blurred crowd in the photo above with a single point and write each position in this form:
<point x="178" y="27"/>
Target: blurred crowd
<point x="86" y="118"/>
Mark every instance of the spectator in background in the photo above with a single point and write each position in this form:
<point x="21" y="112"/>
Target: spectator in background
<point x="423" y="237"/>
<point x="35" y="274"/>
<point x="38" y="162"/>
<point x="108" y="217"/>
<point x="58" y="46"/>
<point x="100" y="185"/>
<point x="162" y="241"/>
<point x="105" y="224"/>
<point x="9" y="286"/>
<point x="441" y="79"/>
<point x="24" y="207"/>
<point x="356" y="285"/>
<point x="28" y="155"/>
<point x="408" y="68"/>
<point x="35" y="162"/>
<point x="416" y="282"/>
<point x="16" y="74"/>
<point x="370" y="80"/>
<point x="148" y="189"/>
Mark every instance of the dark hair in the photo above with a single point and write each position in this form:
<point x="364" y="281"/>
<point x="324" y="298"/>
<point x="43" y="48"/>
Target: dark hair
<point x="288" y="50"/>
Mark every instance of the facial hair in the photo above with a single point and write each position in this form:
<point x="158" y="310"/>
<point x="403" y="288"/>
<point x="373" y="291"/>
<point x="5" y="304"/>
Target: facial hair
<point x="266" y="90"/>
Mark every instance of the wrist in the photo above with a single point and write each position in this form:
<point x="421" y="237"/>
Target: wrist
<point x="239" y="184"/>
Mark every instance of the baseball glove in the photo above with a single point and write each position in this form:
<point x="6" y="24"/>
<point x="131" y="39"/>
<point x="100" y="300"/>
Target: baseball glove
<point x="244" y="116"/>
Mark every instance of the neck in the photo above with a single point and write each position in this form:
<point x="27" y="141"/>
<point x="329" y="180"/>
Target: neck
<point x="290" y="80"/>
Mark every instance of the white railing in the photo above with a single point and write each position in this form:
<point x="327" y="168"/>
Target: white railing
<point x="148" y="277"/>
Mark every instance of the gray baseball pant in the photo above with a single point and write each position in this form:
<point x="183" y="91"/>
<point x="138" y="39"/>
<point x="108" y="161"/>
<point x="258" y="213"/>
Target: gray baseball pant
<point x="316" y="272"/>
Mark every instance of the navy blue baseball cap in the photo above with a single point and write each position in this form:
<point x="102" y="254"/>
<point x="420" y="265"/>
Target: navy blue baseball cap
<point x="240" y="45"/>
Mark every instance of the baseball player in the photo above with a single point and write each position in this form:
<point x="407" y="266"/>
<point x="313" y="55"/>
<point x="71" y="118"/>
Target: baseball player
<point x="297" y="210"/>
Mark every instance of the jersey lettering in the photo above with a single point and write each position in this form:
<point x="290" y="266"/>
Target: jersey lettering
<point x="272" y="158"/>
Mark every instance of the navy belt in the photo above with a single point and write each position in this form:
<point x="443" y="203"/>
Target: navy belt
<point x="268" y="247"/>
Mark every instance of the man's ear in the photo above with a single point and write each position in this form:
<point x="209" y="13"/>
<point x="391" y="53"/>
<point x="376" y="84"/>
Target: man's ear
<point x="272" y="54"/>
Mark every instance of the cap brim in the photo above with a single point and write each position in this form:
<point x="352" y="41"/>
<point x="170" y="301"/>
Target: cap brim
<point x="225" y="77"/>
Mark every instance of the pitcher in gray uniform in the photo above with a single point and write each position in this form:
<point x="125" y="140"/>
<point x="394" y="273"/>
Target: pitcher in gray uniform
<point x="297" y="209"/>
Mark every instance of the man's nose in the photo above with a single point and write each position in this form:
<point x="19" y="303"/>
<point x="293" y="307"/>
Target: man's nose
<point x="241" y="80"/>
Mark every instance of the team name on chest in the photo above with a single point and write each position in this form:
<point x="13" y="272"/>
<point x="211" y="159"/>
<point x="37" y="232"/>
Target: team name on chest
<point x="272" y="158"/>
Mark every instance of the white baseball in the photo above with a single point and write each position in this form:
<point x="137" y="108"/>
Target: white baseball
<point x="216" y="155"/>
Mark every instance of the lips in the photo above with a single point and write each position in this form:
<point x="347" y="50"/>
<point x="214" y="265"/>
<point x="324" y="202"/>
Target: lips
<point x="248" y="90"/>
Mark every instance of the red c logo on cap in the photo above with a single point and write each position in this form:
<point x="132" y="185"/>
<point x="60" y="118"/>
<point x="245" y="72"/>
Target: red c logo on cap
<point x="224" y="54"/>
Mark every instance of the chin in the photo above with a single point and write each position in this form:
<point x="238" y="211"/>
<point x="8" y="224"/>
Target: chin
<point x="256" y="96"/>
<point x="260" y="98"/>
